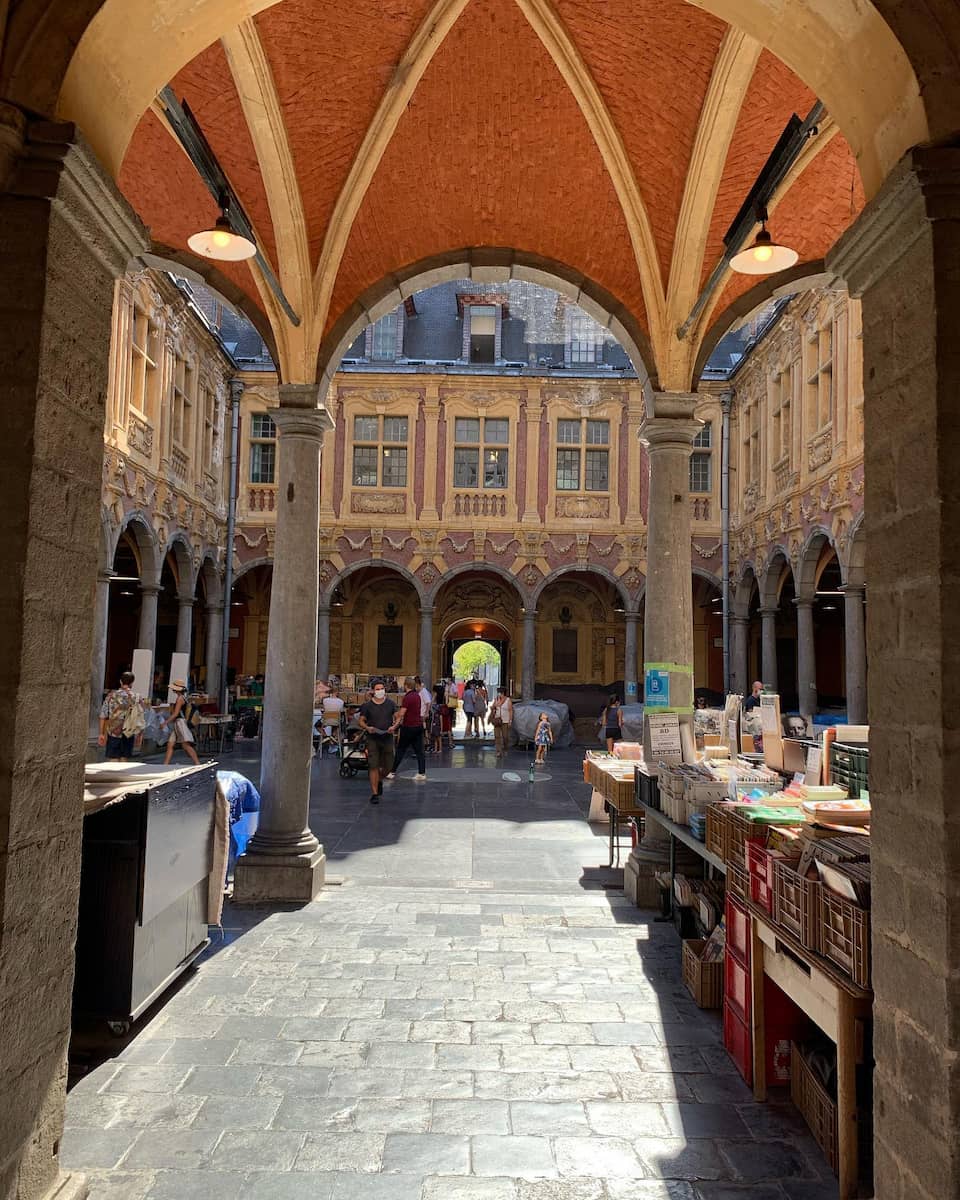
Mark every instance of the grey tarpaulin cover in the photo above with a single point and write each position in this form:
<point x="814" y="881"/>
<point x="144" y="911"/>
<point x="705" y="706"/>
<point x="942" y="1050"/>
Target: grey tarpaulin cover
<point x="526" y="714"/>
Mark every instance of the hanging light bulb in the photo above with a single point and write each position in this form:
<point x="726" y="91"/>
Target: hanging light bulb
<point x="764" y="257"/>
<point x="221" y="242"/>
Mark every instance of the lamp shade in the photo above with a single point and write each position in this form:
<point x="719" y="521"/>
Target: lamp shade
<point x="221" y="243"/>
<point x="763" y="257"/>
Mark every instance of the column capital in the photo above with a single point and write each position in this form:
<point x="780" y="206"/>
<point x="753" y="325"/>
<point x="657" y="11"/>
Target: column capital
<point x="853" y="589"/>
<point x="427" y="610"/>
<point x="736" y="619"/>
<point x="672" y="424"/>
<point x="150" y="589"/>
<point x="323" y="608"/>
<point x="529" y="614"/>
<point x="768" y="611"/>
<point x="215" y="608"/>
<point x="299" y="421"/>
<point x="630" y="615"/>
<point x="105" y="574"/>
<point x="803" y="602"/>
<point x="237" y="387"/>
<point x="186" y="601"/>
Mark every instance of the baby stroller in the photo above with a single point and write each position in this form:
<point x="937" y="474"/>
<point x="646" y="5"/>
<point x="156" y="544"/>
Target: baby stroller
<point x="353" y="756"/>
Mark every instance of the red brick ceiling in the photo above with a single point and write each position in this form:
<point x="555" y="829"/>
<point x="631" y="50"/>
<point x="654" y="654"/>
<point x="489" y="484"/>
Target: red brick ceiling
<point x="492" y="149"/>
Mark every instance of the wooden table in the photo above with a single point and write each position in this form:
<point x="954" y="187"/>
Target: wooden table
<point x="620" y="795"/>
<point x="834" y="1003"/>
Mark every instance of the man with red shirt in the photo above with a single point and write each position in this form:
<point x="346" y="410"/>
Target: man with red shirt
<point x="411" y="732"/>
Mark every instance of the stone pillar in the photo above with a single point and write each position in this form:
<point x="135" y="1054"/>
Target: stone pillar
<point x="739" y="657"/>
<point x="630" y="658"/>
<point x="323" y="641"/>
<point x="431" y="418"/>
<point x="668" y="602"/>
<point x="284" y="861"/>
<point x="533" y="412"/>
<point x="214" y="648"/>
<point x="855" y="652"/>
<point x="768" y="648"/>
<point x="806" y="658"/>
<point x="98" y="662"/>
<point x="185" y="626"/>
<point x="901" y="257"/>
<point x="425" y="659"/>
<point x="147" y="637"/>
<point x="65" y="235"/>
<point x="528" y="677"/>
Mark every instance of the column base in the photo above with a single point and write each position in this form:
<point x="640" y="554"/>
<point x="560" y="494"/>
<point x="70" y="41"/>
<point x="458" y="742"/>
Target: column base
<point x="281" y="878"/>
<point x="69" y="1186"/>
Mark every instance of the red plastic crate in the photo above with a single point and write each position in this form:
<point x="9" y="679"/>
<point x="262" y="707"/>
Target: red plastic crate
<point x="761" y="893"/>
<point x="736" y="987"/>
<point x="738" y="931"/>
<point x="739" y="1043"/>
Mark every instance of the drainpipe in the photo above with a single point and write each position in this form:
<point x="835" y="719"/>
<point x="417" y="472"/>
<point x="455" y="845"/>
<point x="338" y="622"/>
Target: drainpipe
<point x="726" y="403"/>
<point x="236" y="391"/>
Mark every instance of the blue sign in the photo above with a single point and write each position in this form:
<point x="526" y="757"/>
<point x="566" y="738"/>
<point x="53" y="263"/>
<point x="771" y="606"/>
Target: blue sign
<point x="631" y="689"/>
<point x="656" y="692"/>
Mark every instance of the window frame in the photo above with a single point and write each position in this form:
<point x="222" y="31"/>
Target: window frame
<point x="384" y="449"/>
<point x="483" y="447"/>
<point x="260" y="442"/>
<point x="586" y="450"/>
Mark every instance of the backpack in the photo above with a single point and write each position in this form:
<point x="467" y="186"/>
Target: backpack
<point x="134" y="723"/>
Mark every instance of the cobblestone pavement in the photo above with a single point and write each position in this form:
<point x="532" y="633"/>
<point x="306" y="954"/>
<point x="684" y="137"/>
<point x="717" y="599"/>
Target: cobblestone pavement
<point x="464" y="1018"/>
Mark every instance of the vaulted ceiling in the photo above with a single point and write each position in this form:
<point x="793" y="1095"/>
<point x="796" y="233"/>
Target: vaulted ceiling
<point x="617" y="139"/>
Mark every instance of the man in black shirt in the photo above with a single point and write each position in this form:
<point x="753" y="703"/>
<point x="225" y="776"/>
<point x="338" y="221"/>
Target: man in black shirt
<point x="753" y="700"/>
<point x="379" y="720"/>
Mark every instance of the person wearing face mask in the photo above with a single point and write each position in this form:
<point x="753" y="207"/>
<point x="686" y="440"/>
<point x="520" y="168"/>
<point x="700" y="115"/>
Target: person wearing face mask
<point x="379" y="720"/>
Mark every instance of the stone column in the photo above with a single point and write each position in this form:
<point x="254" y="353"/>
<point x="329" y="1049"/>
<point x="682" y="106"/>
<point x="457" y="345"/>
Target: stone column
<point x="533" y="412"/>
<point x="668" y="602"/>
<point x="425" y="659"/>
<point x="806" y="658"/>
<point x="214" y="648"/>
<point x="431" y="418"/>
<point x="185" y="626"/>
<point x="630" y="657"/>
<point x="855" y="651"/>
<point x="323" y="641"/>
<point x="739" y="658"/>
<point x="284" y="861"/>
<point x="528" y="677"/>
<point x="98" y="664"/>
<point x="768" y="648"/>
<point x="147" y="637"/>
<point x="901" y="257"/>
<point x="65" y="235"/>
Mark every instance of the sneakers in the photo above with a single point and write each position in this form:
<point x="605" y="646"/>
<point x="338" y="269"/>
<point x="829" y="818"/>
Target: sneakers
<point x="419" y="778"/>
<point x="392" y="775"/>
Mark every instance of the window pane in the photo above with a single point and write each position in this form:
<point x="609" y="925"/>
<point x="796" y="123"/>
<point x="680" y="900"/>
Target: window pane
<point x="366" y="429"/>
<point x="467" y="429"/>
<point x="262" y="462"/>
<point x="365" y="466"/>
<point x="466" y="467"/>
<point x="394" y="429"/>
<point x="263" y="426"/>
<point x="596" y="474"/>
<point x="598" y="433"/>
<point x="568" y="470"/>
<point x="384" y="340"/>
<point x="495" y="469"/>
<point x="700" y="473"/>
<point x="565" y="651"/>
<point x="496" y="430"/>
<point x="705" y="437"/>
<point x="395" y="467"/>
<point x="568" y="432"/>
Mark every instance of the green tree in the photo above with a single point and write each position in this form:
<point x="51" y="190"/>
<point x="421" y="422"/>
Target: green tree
<point x="472" y="656"/>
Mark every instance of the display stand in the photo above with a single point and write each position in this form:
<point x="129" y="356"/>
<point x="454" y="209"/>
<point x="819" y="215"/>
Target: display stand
<point x="682" y="834"/>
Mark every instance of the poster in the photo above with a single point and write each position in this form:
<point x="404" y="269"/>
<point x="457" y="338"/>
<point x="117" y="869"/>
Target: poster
<point x="665" y="738"/>
<point x="656" y="691"/>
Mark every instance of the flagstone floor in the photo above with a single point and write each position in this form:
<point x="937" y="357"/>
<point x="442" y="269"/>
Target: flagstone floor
<point x="467" y="1015"/>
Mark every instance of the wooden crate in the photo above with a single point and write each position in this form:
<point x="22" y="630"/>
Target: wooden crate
<point x="796" y="905"/>
<point x="845" y="936"/>
<point x="738" y="881"/>
<point x="704" y="981"/>
<point x="717" y="831"/>
<point x="816" y="1105"/>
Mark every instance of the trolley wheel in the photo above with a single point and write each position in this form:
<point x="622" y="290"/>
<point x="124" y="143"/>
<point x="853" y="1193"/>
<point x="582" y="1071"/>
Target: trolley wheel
<point x="353" y="770"/>
<point x="345" y="771"/>
<point x="119" y="1028"/>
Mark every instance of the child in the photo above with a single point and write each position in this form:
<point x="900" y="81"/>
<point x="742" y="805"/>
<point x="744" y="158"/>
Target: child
<point x="436" y="727"/>
<point x="542" y="739"/>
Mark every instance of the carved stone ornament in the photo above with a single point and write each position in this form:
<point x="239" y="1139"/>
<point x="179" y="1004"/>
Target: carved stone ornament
<point x="820" y="449"/>
<point x="140" y="436"/>
<point x="429" y="575"/>
<point x="707" y="551"/>
<point x="531" y="576"/>
<point x="377" y="502"/>
<point x="633" y="579"/>
<point x="325" y="573"/>
<point x="588" y="507"/>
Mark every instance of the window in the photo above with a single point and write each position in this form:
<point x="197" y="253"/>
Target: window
<point x="701" y="473"/>
<point x="208" y="406"/>
<point x="483" y="333"/>
<point x="781" y="434"/>
<point x="263" y="448"/>
<point x="184" y="391"/>
<point x="390" y="647"/>
<point x="383" y="338"/>
<point x="820" y="377"/>
<point x="592" y="435"/>
<point x="380" y="451"/>
<point x="471" y="449"/>
<point x="144" y="376"/>
<point x="583" y="337"/>
<point x="565" y="651"/>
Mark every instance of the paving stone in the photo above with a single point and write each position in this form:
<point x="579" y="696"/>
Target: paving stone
<point x="704" y="1120"/>
<point x="462" y="1187"/>
<point x="195" y="1052"/>
<point x="596" y="1157"/>
<point x="602" y="1058"/>
<point x="335" y="1054"/>
<point x="398" y="1056"/>
<point x="148" y="1078"/>
<point x="175" y="1150"/>
<point x="747" y="1191"/>
<point x="153" y="1110"/>
<point x="223" y="1112"/>
<point x="313" y="1114"/>
<point x="562" y="1189"/>
<point x="366" y="1082"/>
<point x="377" y="1187"/>
<point x="197" y="1185"/>
<point x="94" y="1110"/>
<point x="536" y="1058"/>
<point x="655" y="1189"/>
<point x="518" y="1157"/>
<point x="470" y="1116"/>
<point x="440" y="1085"/>
<point x="341" y="1151"/>
<point x="445" y="1032"/>
<point x="627" y="1119"/>
<point x="559" y="1033"/>
<point x="376" y="1031"/>
<point x="146" y="1050"/>
<point x="290" y="1185"/>
<point x="548" y="1117"/>
<point x="221" y="1081"/>
<point x="118" y="1185"/>
<point x="676" y="1158"/>
<point x="624" y="1033"/>
<point x="504" y="1033"/>
<point x="393" y="1116"/>
<point x="426" y="1154"/>
<point x="757" y="1160"/>
<point x="312" y="1029"/>
<point x="81" y="1147"/>
<point x="267" y="1054"/>
<point x="301" y="1080"/>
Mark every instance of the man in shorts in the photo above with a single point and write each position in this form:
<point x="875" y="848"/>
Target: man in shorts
<point x="379" y="720"/>
<point x="113" y="717"/>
